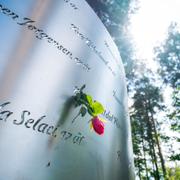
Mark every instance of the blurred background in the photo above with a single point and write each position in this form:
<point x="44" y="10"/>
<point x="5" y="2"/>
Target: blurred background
<point x="147" y="34"/>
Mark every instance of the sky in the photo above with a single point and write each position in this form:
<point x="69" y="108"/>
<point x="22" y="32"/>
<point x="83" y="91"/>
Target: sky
<point x="149" y="26"/>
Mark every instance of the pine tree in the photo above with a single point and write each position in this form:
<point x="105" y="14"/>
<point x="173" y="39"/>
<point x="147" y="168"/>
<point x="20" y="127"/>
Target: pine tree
<point x="168" y="56"/>
<point x="147" y="97"/>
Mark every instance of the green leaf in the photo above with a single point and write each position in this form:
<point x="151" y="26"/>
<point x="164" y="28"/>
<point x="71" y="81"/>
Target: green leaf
<point x="97" y="108"/>
<point x="90" y="111"/>
<point x="83" y="111"/>
<point x="89" y="99"/>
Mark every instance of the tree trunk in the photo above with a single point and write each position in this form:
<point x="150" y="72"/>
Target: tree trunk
<point x="144" y="153"/>
<point x="159" y="147"/>
<point x="150" y="130"/>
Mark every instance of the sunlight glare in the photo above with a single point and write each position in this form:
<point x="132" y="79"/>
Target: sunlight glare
<point x="150" y="24"/>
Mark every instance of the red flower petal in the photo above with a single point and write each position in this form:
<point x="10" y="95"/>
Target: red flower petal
<point x="98" y="125"/>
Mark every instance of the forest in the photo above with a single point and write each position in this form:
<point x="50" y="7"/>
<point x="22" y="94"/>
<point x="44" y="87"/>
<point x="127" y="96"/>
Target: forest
<point x="153" y="89"/>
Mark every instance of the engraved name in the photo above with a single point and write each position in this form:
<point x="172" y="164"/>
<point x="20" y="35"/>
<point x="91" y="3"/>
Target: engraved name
<point x="27" y="121"/>
<point x="39" y="125"/>
<point x="93" y="47"/>
<point x="113" y="119"/>
<point x="112" y="54"/>
<point x="40" y="34"/>
<point x="71" y="4"/>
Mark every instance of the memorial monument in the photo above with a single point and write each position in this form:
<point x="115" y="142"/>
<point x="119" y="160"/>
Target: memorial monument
<point x="63" y="99"/>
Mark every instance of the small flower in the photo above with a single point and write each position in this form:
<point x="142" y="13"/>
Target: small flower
<point x="98" y="125"/>
<point x="90" y="106"/>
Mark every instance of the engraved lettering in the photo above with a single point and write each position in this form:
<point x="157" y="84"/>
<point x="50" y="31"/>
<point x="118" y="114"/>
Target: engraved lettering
<point x="37" y="122"/>
<point x="13" y="15"/>
<point x="6" y="113"/>
<point x="3" y="105"/>
<point x="26" y="21"/>
<point x="64" y="50"/>
<point x="50" y="40"/>
<point x="31" y="27"/>
<point x="5" y="11"/>
<point x="64" y="133"/>
<point x="29" y="121"/>
<point x="110" y="117"/>
<point x="42" y="127"/>
<point x="48" y="129"/>
<point x="92" y="46"/>
<point x="68" y="135"/>
<point x="53" y="133"/>
<point x="22" y="118"/>
<point x="40" y="34"/>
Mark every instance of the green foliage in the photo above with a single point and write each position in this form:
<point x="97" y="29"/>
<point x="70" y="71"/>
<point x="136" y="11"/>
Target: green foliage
<point x="175" y="115"/>
<point x="89" y="99"/>
<point x="175" y="157"/>
<point x="94" y="108"/>
<point x="168" y="55"/>
<point x="147" y="100"/>
<point x="173" y="173"/>
<point x="165" y="138"/>
<point x="97" y="108"/>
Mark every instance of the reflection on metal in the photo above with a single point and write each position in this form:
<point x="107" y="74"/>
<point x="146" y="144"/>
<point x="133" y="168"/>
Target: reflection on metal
<point x="19" y="53"/>
<point x="48" y="49"/>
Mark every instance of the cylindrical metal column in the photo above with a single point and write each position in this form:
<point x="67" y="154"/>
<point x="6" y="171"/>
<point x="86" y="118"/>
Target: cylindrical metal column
<point x="47" y="50"/>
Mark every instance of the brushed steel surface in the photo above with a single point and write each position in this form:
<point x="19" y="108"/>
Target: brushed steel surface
<point x="47" y="49"/>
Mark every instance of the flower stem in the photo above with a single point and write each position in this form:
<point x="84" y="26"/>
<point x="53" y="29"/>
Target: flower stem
<point x="76" y="116"/>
